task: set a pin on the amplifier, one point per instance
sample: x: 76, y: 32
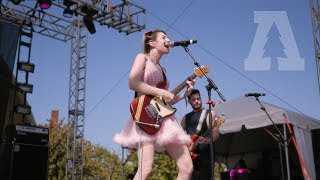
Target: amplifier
x: 24, y: 161
x: 27, y: 134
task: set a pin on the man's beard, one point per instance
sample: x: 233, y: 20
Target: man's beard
x: 197, y: 107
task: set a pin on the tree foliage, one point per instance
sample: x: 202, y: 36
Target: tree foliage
x: 164, y: 167
x: 57, y: 149
x: 98, y: 162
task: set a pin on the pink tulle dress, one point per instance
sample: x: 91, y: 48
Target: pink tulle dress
x: 170, y: 132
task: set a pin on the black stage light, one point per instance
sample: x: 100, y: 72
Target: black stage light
x: 88, y: 21
x: 16, y: 2
x: 67, y: 12
x: 23, y: 109
x: 88, y: 18
x: 27, y: 88
x: 25, y: 66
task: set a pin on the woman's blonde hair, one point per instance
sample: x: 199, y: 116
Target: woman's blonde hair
x: 150, y: 35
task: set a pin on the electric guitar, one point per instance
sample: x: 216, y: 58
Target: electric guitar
x: 195, y: 137
x: 148, y: 111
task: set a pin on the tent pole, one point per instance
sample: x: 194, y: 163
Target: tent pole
x: 281, y: 161
x: 122, y: 160
x: 286, y: 150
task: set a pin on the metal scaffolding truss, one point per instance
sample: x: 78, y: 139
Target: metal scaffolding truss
x: 43, y: 22
x: 77, y: 93
x: 315, y: 14
x: 123, y: 16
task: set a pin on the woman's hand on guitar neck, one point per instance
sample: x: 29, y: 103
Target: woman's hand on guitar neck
x: 190, y: 84
x: 203, y: 140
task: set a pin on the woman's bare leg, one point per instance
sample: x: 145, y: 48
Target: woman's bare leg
x: 146, y: 154
x: 181, y: 155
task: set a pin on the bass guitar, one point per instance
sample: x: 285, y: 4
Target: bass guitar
x: 195, y: 138
x: 148, y: 111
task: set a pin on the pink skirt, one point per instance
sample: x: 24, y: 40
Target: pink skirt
x: 170, y: 133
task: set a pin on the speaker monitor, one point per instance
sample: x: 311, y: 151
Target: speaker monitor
x: 27, y: 161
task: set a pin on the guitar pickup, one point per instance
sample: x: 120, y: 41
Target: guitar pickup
x: 151, y: 111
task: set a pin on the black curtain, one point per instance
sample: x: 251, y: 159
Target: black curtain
x: 315, y: 134
x: 9, y: 35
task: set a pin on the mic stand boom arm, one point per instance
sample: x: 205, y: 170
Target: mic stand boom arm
x: 211, y: 83
x: 282, y: 141
x: 275, y: 126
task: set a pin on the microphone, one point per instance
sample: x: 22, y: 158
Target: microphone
x: 182, y: 43
x: 254, y: 94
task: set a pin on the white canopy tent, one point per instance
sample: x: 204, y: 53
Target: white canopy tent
x: 243, y: 132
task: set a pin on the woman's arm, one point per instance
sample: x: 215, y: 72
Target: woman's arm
x: 137, y: 84
x: 178, y: 97
x: 183, y: 123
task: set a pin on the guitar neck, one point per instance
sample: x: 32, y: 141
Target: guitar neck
x: 217, y: 124
x: 176, y: 90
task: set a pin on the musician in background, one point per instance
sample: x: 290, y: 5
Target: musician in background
x: 146, y: 73
x: 197, y: 122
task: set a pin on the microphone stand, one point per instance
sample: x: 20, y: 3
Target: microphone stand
x: 211, y: 85
x: 278, y: 137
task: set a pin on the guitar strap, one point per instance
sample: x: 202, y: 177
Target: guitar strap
x: 203, y: 116
x: 164, y: 75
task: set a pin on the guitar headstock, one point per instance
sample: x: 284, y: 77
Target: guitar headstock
x: 219, y: 121
x: 199, y: 73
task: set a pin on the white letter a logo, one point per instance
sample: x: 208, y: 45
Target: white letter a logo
x: 255, y: 60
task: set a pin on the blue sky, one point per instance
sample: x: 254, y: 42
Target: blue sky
x: 225, y: 31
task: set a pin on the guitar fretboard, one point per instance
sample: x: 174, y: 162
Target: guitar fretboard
x: 176, y: 90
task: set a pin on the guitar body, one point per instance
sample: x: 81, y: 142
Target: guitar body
x: 195, y: 138
x: 149, y: 111
x: 193, y: 145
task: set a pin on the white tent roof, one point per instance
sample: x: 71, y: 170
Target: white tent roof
x: 236, y: 142
x: 247, y: 111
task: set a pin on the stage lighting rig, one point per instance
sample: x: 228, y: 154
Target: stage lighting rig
x: 125, y: 17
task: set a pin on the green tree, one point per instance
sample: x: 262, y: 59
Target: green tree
x: 98, y: 162
x: 164, y: 167
x: 57, y: 148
